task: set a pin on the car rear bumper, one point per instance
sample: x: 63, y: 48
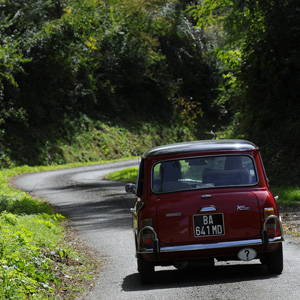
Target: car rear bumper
x: 197, y: 247
x: 265, y: 241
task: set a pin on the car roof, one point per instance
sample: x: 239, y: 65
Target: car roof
x: 200, y: 146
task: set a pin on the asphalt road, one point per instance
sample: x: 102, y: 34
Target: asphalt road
x: 100, y: 210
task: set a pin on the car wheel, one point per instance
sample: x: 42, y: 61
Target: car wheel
x: 275, y: 261
x: 146, y: 270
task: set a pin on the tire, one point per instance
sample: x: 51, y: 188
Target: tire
x: 146, y: 270
x: 275, y: 261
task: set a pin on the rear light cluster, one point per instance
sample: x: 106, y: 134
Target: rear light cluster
x: 147, y: 234
x: 271, y: 225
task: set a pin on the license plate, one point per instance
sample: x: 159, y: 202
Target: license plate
x: 208, y: 225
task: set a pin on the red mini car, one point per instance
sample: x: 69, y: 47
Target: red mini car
x: 204, y: 200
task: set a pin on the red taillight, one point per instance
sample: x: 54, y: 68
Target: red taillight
x: 147, y: 234
x: 271, y: 225
x: 148, y: 237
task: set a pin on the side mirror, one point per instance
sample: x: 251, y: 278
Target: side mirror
x: 130, y: 188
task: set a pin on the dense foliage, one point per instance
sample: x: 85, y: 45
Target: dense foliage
x: 229, y: 68
x: 257, y: 44
x: 271, y: 75
x: 106, y: 60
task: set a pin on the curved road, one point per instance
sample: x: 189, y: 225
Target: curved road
x: 100, y: 210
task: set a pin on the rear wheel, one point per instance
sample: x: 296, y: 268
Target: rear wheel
x: 146, y: 270
x: 274, y: 261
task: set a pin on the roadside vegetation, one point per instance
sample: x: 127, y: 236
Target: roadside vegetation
x: 289, y: 196
x: 71, y: 70
x: 39, y: 257
x: 127, y: 175
x: 74, y: 74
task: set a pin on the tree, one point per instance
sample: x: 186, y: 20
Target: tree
x: 261, y: 78
x: 113, y: 59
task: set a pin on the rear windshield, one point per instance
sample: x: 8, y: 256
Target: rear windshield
x: 204, y: 172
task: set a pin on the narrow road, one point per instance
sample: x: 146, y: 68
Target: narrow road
x: 100, y: 210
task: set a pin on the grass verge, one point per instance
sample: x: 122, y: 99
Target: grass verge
x: 126, y: 175
x: 39, y: 258
x: 288, y: 195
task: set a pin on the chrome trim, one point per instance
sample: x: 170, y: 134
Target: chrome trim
x: 197, y: 247
x: 208, y: 208
x: 206, y: 196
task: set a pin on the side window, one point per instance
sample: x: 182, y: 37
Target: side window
x: 263, y: 168
x: 249, y: 165
x: 140, y: 180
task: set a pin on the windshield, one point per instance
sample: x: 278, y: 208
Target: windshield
x: 204, y: 172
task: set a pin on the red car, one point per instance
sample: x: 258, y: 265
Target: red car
x: 204, y: 200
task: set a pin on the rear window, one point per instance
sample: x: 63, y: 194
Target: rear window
x: 204, y: 172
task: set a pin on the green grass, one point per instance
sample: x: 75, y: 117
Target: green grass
x: 288, y: 195
x: 107, y: 141
x: 126, y: 175
x: 29, y: 232
x: 26, y: 270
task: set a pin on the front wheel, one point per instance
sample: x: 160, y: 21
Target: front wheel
x: 146, y: 270
x: 274, y: 261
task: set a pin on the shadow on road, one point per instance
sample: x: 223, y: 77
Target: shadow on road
x: 165, y: 279
x: 72, y: 186
x: 103, y: 205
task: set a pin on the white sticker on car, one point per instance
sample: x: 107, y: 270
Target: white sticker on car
x: 247, y: 254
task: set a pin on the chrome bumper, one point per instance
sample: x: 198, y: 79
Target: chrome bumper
x: 264, y: 241
x: 197, y: 247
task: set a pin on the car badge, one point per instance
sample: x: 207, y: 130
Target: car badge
x: 174, y: 214
x: 242, y: 207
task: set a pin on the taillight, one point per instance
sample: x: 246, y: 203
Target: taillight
x: 271, y: 225
x: 147, y: 234
x: 147, y: 237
